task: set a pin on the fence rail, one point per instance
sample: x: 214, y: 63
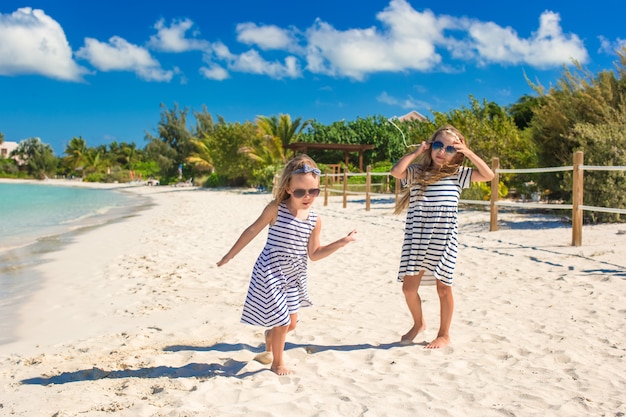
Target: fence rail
x: 577, y: 205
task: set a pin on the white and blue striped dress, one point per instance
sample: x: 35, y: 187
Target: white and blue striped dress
x: 278, y: 286
x: 431, y: 230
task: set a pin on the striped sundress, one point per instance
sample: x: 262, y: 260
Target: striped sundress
x: 278, y: 286
x: 431, y: 230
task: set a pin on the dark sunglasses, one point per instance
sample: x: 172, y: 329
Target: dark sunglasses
x: 299, y: 193
x: 438, y: 145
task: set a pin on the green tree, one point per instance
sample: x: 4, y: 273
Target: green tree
x: 37, y: 157
x: 387, y: 138
x: 200, y: 157
x: 131, y: 154
x: 282, y: 127
x: 124, y: 154
x: 95, y: 161
x: 604, y: 145
x: 268, y: 156
x: 76, y: 154
x: 174, y: 144
x: 576, y: 102
x: 225, y: 141
x: 523, y: 110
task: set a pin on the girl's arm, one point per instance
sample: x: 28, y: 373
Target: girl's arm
x: 399, y: 169
x: 482, y: 172
x: 269, y: 214
x: 317, y: 252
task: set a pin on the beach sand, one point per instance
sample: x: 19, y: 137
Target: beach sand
x: 135, y: 319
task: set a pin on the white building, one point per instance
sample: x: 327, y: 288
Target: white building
x: 6, y: 148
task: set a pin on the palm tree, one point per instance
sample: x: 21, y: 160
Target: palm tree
x: 282, y: 127
x: 128, y: 154
x: 267, y: 151
x: 94, y: 161
x: 200, y: 157
x: 76, y: 152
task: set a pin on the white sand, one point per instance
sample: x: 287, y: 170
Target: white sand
x: 135, y: 319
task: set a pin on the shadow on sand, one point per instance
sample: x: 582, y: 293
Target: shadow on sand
x: 231, y: 368
x: 228, y: 347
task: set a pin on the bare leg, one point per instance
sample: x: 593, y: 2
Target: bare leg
x: 446, y: 303
x: 266, y: 357
x: 410, y: 288
x: 278, y: 337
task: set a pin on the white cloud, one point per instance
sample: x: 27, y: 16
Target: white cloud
x: 221, y: 51
x: 252, y: 62
x: 407, y: 42
x: 610, y: 47
x: 406, y: 103
x: 120, y: 55
x: 33, y: 43
x: 214, y: 72
x: 412, y: 41
x: 172, y: 38
x: 547, y: 47
x: 404, y: 40
x: 268, y: 37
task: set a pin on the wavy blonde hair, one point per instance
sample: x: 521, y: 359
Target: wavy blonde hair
x: 427, y: 173
x: 280, y: 191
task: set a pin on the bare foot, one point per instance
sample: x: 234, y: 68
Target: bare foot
x: 265, y: 358
x: 281, y: 370
x: 438, y: 343
x: 407, y: 338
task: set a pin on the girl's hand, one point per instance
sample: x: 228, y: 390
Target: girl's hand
x: 347, y: 239
x: 424, y: 146
x: 223, y: 261
x: 351, y: 236
x: 461, y: 147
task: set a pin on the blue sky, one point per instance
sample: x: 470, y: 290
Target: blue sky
x: 102, y: 69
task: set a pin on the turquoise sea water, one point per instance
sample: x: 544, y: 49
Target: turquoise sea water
x: 39, y: 218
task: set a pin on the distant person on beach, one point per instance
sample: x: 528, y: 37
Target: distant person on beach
x: 433, y: 177
x: 278, y: 286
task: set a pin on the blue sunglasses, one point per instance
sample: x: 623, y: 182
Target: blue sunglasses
x: 438, y: 145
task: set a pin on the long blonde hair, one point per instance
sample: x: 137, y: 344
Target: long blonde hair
x: 427, y: 173
x: 280, y: 191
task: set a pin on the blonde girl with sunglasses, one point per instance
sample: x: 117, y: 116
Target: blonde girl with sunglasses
x: 433, y: 177
x: 278, y: 285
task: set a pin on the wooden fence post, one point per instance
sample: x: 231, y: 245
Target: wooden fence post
x: 577, y: 199
x: 493, y: 223
x: 326, y: 187
x: 368, y: 185
x: 345, y: 187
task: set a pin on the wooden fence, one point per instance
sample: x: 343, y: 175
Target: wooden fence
x: 577, y: 207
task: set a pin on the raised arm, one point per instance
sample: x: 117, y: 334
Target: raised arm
x: 269, y: 213
x: 317, y: 252
x: 399, y: 169
x: 482, y: 172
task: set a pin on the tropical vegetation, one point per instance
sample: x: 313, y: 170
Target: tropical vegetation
x: 581, y: 111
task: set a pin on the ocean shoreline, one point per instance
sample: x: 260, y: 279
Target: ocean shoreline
x: 18, y: 264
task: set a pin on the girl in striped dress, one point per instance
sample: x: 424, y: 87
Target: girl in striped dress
x: 278, y: 286
x: 433, y: 177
